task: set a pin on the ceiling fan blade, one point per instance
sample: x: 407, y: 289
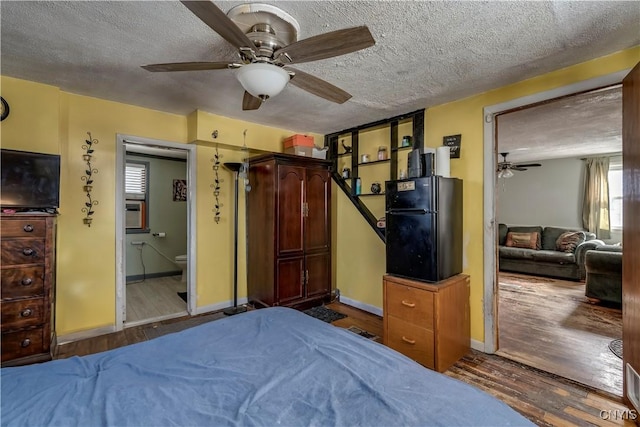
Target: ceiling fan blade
x: 187, y: 66
x: 517, y: 168
x: 327, y: 45
x: 219, y: 22
x: 528, y: 165
x: 318, y: 87
x: 250, y: 102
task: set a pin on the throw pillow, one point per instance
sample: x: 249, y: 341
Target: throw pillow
x: 523, y: 240
x: 569, y: 241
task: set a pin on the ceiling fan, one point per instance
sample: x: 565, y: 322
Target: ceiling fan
x: 264, y: 59
x: 505, y: 167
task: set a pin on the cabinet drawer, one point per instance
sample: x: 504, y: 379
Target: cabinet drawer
x: 23, y: 343
x: 22, y: 313
x: 22, y: 251
x: 24, y: 228
x: 411, y: 304
x: 413, y: 341
x: 22, y: 282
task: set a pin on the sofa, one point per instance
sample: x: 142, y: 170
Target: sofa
x: 603, y: 266
x: 545, y: 251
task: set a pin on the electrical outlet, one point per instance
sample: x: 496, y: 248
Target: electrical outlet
x: 137, y: 243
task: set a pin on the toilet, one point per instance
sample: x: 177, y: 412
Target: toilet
x: 181, y: 261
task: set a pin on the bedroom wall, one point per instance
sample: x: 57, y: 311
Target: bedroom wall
x: 549, y: 195
x: 465, y: 117
x: 44, y: 118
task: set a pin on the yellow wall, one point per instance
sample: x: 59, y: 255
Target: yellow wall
x: 45, y: 119
x: 360, y: 254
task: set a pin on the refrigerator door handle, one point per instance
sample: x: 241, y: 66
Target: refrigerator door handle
x: 408, y: 212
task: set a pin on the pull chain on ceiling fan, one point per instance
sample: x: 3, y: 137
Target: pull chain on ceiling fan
x: 506, y: 168
x: 265, y: 56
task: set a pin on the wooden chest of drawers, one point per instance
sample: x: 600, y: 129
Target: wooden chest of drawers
x: 28, y: 266
x: 427, y: 322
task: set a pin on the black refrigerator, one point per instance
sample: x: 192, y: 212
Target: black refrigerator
x: 424, y: 228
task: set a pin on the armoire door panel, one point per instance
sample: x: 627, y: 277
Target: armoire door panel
x: 318, y: 221
x: 290, y: 215
x: 290, y: 279
x: 319, y: 273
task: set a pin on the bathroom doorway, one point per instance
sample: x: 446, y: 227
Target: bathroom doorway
x: 155, y: 208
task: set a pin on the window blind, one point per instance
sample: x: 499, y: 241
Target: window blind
x: 135, y: 181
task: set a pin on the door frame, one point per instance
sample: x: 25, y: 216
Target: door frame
x: 490, y: 161
x: 121, y: 280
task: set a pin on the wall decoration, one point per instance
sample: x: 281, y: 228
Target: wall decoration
x: 179, y: 190
x: 216, y: 186
x: 88, y: 179
x: 4, y: 111
x: 453, y: 142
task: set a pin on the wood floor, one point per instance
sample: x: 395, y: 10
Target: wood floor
x: 544, y: 398
x: 548, y: 324
x: 155, y: 299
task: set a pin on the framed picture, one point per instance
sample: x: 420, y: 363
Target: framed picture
x: 179, y: 190
x: 453, y: 142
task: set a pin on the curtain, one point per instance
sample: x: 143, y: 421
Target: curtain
x: 595, y: 206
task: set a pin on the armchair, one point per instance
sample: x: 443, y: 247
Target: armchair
x: 604, y: 274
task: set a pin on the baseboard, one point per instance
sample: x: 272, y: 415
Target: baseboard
x: 477, y: 345
x: 219, y: 306
x: 362, y: 306
x: 89, y: 333
x: 136, y: 277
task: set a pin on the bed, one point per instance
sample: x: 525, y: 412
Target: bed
x: 268, y: 367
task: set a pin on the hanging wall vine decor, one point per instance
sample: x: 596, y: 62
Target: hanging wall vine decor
x: 87, y: 178
x: 216, y: 185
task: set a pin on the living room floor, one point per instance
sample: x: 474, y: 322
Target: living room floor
x: 548, y: 324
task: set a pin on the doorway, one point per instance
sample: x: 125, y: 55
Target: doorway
x: 491, y: 275
x: 155, y: 222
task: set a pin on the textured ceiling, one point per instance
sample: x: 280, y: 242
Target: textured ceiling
x: 587, y: 124
x: 426, y: 53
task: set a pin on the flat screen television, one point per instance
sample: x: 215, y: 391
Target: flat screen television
x: 30, y: 181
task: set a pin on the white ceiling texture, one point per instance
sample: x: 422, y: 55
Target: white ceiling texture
x: 426, y: 53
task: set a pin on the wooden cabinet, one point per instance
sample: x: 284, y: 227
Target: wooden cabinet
x: 428, y: 322
x: 289, y: 230
x: 28, y: 266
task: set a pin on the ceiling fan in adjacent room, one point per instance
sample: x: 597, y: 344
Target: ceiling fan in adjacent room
x: 267, y: 49
x: 506, y: 168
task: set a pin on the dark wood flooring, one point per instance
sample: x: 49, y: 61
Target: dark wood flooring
x: 544, y: 398
x: 548, y: 324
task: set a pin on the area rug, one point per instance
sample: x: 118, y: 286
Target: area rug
x: 325, y: 314
x: 156, y: 331
x: 183, y: 295
x: 363, y: 333
x: 616, y: 347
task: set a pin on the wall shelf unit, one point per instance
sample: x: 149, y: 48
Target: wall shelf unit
x: 368, y: 139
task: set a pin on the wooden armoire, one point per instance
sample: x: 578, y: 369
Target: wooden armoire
x: 289, y: 231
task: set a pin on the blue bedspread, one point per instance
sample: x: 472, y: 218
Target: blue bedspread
x: 267, y: 367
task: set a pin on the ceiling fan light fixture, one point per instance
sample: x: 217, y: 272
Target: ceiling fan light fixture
x: 262, y: 80
x: 505, y: 173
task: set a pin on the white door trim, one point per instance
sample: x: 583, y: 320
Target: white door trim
x: 489, y: 179
x: 120, y: 226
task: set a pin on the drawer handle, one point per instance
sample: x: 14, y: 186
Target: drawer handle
x: 26, y: 281
x: 28, y: 228
x: 28, y: 251
x: 408, y: 341
x: 25, y: 342
x: 26, y: 313
x: 408, y: 304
